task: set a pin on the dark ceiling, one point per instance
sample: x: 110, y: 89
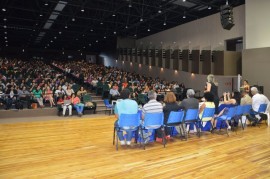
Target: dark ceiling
x: 90, y: 25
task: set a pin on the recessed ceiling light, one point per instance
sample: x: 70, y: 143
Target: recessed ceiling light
x: 114, y: 32
x: 141, y: 19
x: 113, y: 15
x: 164, y: 23
x: 90, y: 44
x: 209, y: 7
x: 91, y: 30
x: 6, y: 45
x: 96, y: 41
x: 83, y: 35
x: 5, y: 32
x: 126, y: 26
x: 159, y: 11
x: 55, y: 37
x: 5, y: 37
x: 105, y: 37
x: 135, y: 35
x: 130, y: 5
x: 184, y: 16
x: 40, y: 15
x: 101, y: 23
x: 4, y: 10
x: 148, y: 30
x: 5, y: 26
x: 66, y: 27
x: 73, y: 19
x: 5, y: 19
x: 6, y: 41
x: 184, y: 0
x: 77, y: 39
x: 36, y: 24
x: 60, y: 32
x: 46, y: 4
x: 82, y: 10
x: 51, y: 41
x: 83, y: 47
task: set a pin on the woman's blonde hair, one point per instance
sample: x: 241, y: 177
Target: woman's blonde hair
x: 170, y: 97
x: 211, y: 78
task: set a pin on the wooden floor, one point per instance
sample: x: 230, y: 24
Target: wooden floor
x: 82, y: 148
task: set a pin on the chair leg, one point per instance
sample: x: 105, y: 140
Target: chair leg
x: 142, y: 138
x: 113, y: 135
x: 116, y: 142
x: 163, y: 137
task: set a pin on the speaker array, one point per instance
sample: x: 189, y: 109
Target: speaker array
x: 226, y: 17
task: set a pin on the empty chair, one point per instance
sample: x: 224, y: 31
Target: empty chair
x: 153, y: 121
x: 108, y: 106
x: 238, y: 116
x: 246, y: 111
x: 126, y: 122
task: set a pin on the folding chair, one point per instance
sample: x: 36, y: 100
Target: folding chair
x: 175, y: 119
x: 208, y: 114
x: 126, y: 122
x: 261, y: 111
x: 226, y: 117
x: 238, y: 116
x: 153, y: 121
x: 191, y: 117
x: 246, y: 111
x: 108, y: 106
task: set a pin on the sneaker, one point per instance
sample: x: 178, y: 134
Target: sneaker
x: 122, y: 142
x: 128, y: 142
x: 229, y: 128
x: 158, y: 139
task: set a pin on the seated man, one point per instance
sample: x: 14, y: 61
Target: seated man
x: 114, y: 92
x: 257, y: 100
x: 125, y: 106
x: 153, y: 106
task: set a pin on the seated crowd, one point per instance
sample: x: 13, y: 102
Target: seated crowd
x: 34, y: 82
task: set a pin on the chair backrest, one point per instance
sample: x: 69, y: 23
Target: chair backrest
x: 262, y: 108
x: 129, y: 120
x: 208, y: 113
x: 106, y: 102
x: 153, y: 120
x: 176, y: 117
x: 191, y: 115
x: 230, y: 113
x: 239, y: 110
x: 247, y: 108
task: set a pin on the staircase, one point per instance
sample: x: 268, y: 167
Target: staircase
x: 101, y: 108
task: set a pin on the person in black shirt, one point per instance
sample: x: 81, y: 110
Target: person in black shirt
x: 212, y: 88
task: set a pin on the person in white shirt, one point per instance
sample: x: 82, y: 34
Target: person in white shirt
x: 257, y: 100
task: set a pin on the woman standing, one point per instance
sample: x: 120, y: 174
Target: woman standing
x: 212, y: 88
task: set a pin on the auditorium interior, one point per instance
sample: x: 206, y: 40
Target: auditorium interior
x: 134, y: 89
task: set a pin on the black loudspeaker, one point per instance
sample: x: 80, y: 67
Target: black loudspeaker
x: 226, y: 17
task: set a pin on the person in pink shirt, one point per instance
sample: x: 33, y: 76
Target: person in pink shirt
x: 75, y: 100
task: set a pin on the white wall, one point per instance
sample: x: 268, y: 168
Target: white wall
x: 204, y: 34
x: 257, y: 23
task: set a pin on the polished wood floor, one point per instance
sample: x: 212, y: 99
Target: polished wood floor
x: 82, y: 148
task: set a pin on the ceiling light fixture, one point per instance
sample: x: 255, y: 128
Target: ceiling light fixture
x: 141, y: 19
x: 5, y: 32
x: 209, y: 7
x: 40, y: 15
x: 96, y: 41
x: 82, y: 10
x: 5, y: 26
x: 130, y: 5
x: 105, y: 37
x: 73, y: 19
x: 126, y: 26
x: 91, y: 30
x: 101, y: 23
x: 184, y: 0
x: 113, y: 15
x: 114, y: 32
x: 135, y: 35
x: 159, y: 11
x: 164, y: 23
x: 5, y: 19
x: 60, y: 32
x: 4, y: 10
x: 46, y: 4
x: 148, y: 29
x: 66, y: 27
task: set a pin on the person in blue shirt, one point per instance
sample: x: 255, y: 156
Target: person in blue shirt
x: 125, y: 106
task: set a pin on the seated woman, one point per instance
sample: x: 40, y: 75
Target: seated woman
x: 170, y: 105
x: 65, y: 103
x: 75, y: 100
x: 69, y: 91
x: 81, y: 92
x: 229, y: 99
x: 48, y: 95
x: 37, y: 93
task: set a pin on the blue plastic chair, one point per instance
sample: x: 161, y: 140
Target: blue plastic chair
x: 153, y: 121
x: 126, y: 122
x: 227, y: 116
x: 246, y: 111
x: 191, y: 117
x: 261, y: 110
x: 238, y: 115
x: 175, y: 119
x: 208, y: 114
x: 108, y: 106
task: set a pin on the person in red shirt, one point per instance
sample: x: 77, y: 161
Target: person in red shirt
x: 75, y: 100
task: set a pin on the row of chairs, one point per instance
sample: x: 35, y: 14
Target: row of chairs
x: 180, y: 119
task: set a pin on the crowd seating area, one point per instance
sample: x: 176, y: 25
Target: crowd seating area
x: 32, y: 84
